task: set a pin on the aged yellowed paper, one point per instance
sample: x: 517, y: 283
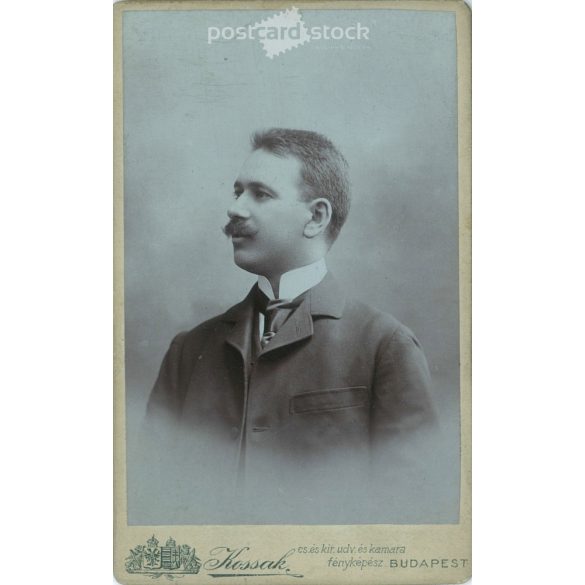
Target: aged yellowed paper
x: 293, y: 395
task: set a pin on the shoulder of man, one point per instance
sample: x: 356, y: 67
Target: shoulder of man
x: 169, y: 389
x: 377, y: 324
x: 201, y: 333
x: 402, y: 389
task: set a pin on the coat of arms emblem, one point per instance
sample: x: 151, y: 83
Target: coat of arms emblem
x: 169, y: 560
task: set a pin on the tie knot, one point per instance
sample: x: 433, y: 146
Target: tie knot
x: 276, y: 304
x: 266, y: 305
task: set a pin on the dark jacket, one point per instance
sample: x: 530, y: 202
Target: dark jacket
x: 339, y: 379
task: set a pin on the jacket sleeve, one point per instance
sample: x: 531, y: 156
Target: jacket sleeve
x: 411, y: 454
x: 168, y: 393
x: 401, y: 402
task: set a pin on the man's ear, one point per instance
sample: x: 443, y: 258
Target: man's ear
x: 321, y: 213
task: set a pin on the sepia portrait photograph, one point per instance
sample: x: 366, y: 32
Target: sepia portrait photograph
x: 238, y: 315
x: 290, y: 265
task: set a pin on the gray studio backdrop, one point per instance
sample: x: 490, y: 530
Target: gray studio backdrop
x: 388, y: 103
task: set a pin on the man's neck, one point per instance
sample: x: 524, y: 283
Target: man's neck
x: 294, y: 282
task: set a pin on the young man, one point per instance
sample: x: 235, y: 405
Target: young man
x: 297, y: 381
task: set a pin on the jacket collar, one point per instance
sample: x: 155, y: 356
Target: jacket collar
x: 326, y: 299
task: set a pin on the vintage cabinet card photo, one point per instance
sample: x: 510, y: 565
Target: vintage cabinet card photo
x: 292, y: 292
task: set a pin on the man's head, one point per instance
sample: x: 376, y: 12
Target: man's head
x: 291, y: 200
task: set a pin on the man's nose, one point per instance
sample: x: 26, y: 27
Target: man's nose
x: 238, y: 208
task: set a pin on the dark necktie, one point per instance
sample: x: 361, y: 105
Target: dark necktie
x: 276, y: 312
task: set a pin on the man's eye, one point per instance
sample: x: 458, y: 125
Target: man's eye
x: 237, y: 194
x: 263, y: 195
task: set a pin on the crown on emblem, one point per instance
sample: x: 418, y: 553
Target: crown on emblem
x: 152, y: 542
x: 171, y: 542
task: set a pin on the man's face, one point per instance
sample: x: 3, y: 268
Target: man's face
x: 267, y: 216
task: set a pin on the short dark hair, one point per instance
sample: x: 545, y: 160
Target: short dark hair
x: 324, y: 170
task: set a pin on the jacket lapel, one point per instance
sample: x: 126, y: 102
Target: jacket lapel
x: 324, y: 300
x: 242, y: 316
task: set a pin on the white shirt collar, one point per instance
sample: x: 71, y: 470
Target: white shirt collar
x: 295, y: 282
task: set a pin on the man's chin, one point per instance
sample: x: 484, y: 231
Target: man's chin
x: 245, y: 261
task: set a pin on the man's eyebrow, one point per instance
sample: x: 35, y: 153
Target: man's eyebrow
x: 256, y: 185
x: 259, y: 186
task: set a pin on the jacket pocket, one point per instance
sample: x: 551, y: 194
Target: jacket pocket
x: 330, y: 399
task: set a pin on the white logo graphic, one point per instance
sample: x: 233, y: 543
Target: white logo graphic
x: 282, y: 32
